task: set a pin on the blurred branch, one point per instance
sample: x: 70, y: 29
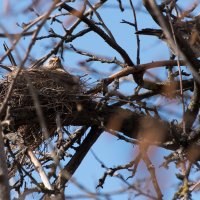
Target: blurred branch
x: 136, y: 29
x: 10, y: 56
x: 4, y: 181
x: 140, y: 68
x: 27, y: 27
x: 16, y: 35
x: 181, y: 44
x: 107, y: 106
x: 93, y: 57
x: 101, y: 21
x: 193, y: 108
x: 66, y: 173
x: 100, y: 32
x: 151, y: 170
x: 39, y: 169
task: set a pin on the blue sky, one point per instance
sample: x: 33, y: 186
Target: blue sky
x: 110, y: 150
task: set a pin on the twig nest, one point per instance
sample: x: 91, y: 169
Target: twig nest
x: 57, y: 91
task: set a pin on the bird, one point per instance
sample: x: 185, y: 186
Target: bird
x: 54, y: 63
x: 189, y: 30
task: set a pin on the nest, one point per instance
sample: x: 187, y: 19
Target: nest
x: 57, y: 93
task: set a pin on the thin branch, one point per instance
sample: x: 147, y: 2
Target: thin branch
x: 136, y: 29
x: 16, y: 35
x: 4, y: 181
x: 10, y: 56
x: 182, y: 46
x: 101, y: 21
x: 151, y: 170
x: 76, y: 160
x: 100, y: 32
x: 98, y: 58
x: 193, y: 108
x: 39, y: 169
x: 95, y: 7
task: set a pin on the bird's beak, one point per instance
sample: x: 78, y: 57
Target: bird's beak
x: 56, y: 59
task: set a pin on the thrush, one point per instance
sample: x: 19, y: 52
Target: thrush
x: 189, y: 30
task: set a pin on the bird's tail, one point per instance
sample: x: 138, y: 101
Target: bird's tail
x: 150, y: 31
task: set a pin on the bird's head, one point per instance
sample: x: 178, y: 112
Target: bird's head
x: 54, y: 63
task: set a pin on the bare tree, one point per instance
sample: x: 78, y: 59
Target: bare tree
x: 47, y: 111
